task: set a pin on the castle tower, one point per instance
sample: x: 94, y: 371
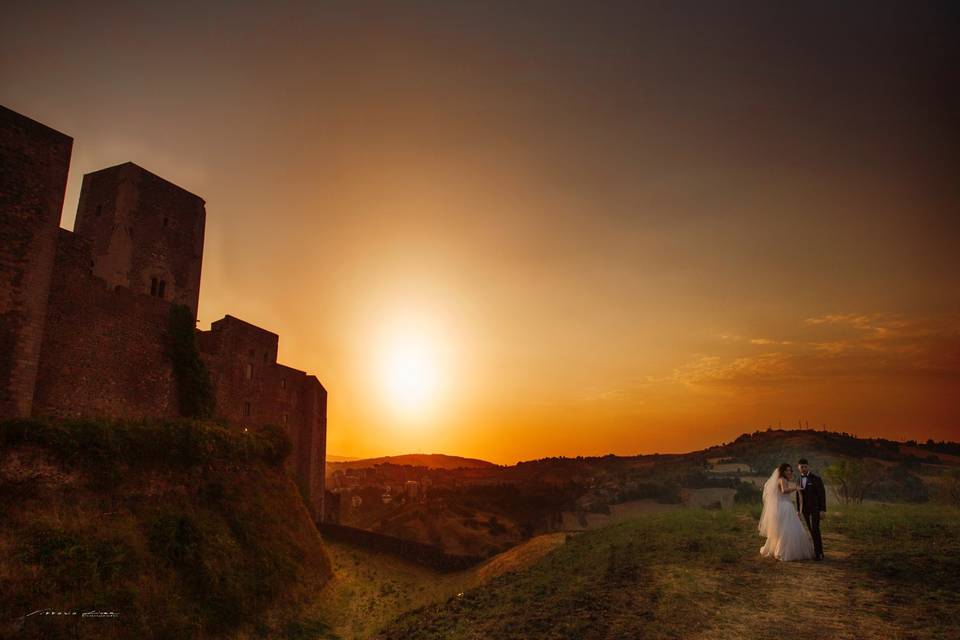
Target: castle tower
x: 34, y: 160
x: 146, y: 233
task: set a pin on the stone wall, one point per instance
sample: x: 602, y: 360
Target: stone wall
x: 34, y: 160
x: 252, y: 388
x: 103, y: 351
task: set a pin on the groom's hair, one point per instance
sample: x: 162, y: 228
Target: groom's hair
x: 802, y: 461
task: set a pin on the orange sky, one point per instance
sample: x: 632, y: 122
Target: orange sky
x: 603, y: 230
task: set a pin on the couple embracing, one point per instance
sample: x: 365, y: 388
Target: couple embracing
x: 783, y: 523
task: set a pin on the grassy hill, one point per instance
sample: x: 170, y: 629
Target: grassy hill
x: 184, y: 529
x: 763, y: 449
x: 891, y: 572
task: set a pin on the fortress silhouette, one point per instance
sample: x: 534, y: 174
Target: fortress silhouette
x: 83, y: 313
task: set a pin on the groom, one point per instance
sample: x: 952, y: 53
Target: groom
x: 813, y: 498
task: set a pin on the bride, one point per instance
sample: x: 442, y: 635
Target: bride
x: 787, y: 537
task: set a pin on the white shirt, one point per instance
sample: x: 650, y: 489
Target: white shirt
x: 803, y: 482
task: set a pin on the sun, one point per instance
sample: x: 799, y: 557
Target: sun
x: 410, y: 377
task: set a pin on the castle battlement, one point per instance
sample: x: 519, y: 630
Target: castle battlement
x: 83, y: 313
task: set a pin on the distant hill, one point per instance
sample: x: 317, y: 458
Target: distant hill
x: 763, y: 450
x: 429, y: 460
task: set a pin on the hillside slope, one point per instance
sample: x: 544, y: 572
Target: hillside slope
x: 184, y: 530
x: 891, y: 572
x: 370, y: 589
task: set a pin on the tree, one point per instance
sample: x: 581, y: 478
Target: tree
x: 849, y: 480
x: 950, y: 489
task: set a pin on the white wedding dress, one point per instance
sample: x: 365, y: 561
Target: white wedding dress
x: 787, y: 536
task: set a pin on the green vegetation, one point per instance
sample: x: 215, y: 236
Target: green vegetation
x: 890, y: 572
x: 849, y: 480
x: 186, y: 529
x: 748, y: 493
x: 950, y: 489
x: 194, y: 388
x: 102, y: 444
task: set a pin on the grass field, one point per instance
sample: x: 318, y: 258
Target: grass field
x: 369, y: 590
x: 891, y: 572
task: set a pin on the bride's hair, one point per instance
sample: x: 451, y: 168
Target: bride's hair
x: 782, y: 469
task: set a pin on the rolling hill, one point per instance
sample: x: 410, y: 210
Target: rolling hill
x: 427, y: 460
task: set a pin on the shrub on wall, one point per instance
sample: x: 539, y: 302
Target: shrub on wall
x: 194, y: 388
x: 106, y: 445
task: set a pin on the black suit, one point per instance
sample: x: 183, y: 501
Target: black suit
x: 810, y: 502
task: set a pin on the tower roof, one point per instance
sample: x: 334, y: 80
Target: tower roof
x: 132, y: 166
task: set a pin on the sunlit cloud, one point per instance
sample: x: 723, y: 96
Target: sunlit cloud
x: 884, y: 346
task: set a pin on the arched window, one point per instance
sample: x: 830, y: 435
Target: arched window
x: 246, y: 408
x: 249, y: 371
x: 161, y: 288
x: 153, y: 286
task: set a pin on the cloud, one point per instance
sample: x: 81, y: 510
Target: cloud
x: 713, y: 370
x: 881, y: 346
x: 877, y: 323
x: 853, y: 320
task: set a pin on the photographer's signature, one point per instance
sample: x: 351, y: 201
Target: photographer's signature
x: 94, y: 613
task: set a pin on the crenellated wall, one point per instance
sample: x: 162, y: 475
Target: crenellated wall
x: 82, y: 321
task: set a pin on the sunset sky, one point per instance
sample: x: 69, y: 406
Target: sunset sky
x: 522, y: 229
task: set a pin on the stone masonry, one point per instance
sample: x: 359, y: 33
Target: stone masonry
x: 83, y: 312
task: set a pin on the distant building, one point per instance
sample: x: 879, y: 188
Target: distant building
x: 412, y: 489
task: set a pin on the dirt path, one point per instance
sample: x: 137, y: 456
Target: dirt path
x: 766, y: 599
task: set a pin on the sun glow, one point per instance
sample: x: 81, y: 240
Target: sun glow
x: 410, y: 377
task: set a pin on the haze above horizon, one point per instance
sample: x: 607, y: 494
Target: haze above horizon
x: 513, y: 232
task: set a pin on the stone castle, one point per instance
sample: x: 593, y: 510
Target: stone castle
x: 83, y: 312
